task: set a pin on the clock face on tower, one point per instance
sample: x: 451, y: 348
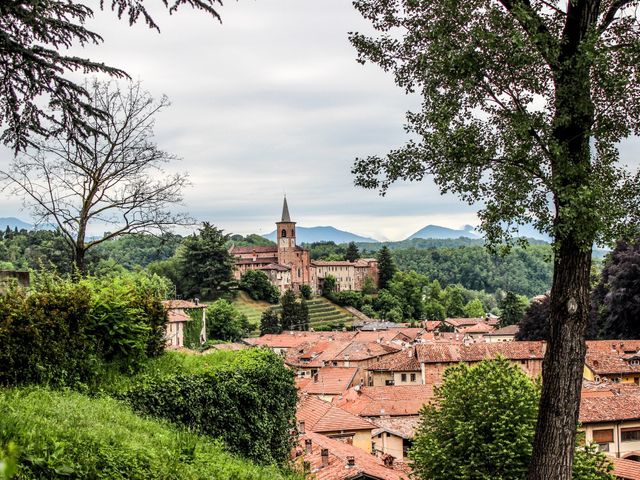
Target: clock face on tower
x: 283, y: 242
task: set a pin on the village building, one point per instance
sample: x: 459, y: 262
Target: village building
x: 614, y: 360
x: 325, y: 458
x: 435, y: 358
x: 288, y: 265
x: 387, y: 401
x: 177, y: 319
x: 401, y: 368
x: 394, y: 436
x: 320, y: 416
x: 625, y: 469
x: 329, y: 382
x: 505, y: 334
x: 281, y: 343
x: 610, y: 417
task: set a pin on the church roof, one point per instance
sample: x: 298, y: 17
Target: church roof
x: 285, y: 212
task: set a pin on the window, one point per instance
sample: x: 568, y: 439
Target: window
x: 413, y: 377
x: 403, y: 377
x: 388, y: 382
x: 283, y: 234
x: 630, y: 434
x: 603, y: 436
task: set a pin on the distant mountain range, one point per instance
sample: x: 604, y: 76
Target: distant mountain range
x: 13, y: 222
x: 436, y: 231
x: 323, y: 234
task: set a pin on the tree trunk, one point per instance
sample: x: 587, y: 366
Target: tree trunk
x: 554, y: 443
x: 79, y: 260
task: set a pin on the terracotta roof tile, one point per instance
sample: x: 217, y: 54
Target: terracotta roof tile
x: 385, y: 401
x: 475, y: 352
x: 431, y: 325
x: 316, y: 353
x: 331, y: 381
x: 290, y: 339
x: 610, y: 408
x: 275, y: 266
x: 625, y: 469
x: 403, y: 361
x: 480, y: 327
x: 404, y: 427
x: 257, y: 261
x: 258, y: 249
x: 365, y: 464
x: 320, y: 416
x: 508, y: 330
x: 181, y: 304
x: 176, y: 316
x: 607, y: 357
x: 358, y: 351
x: 463, y: 322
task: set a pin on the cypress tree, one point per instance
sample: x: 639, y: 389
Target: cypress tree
x: 386, y: 267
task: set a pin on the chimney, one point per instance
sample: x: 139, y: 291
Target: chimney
x: 410, y: 352
x: 301, y: 430
x: 351, y: 461
x: 196, y: 300
x: 324, y: 454
x: 308, y: 445
x: 315, y: 378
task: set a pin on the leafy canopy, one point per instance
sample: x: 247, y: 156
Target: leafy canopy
x: 483, y: 427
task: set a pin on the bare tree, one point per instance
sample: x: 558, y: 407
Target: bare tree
x: 113, y: 178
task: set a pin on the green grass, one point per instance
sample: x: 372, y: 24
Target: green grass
x: 253, y: 309
x: 70, y: 435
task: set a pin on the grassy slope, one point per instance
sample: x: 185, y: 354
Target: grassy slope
x: 67, y: 433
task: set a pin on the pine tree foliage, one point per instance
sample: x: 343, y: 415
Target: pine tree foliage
x: 353, y: 253
x: 386, y: 267
x: 34, y: 67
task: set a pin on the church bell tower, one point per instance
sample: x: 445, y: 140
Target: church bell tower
x: 286, y: 230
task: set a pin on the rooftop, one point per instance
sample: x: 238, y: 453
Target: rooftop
x: 625, y: 469
x: 181, y: 304
x: 403, y: 361
x: 256, y: 248
x: 480, y: 327
x: 463, y: 322
x: 338, y: 460
x: 404, y: 427
x: 508, y: 330
x: 397, y: 400
x: 475, y: 352
x: 606, y: 357
x: 330, y: 381
x: 320, y: 416
x: 610, y: 404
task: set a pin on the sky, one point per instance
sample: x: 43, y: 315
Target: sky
x: 272, y: 101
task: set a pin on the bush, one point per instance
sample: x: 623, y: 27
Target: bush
x: 248, y: 401
x: 73, y: 436
x: 225, y: 322
x: 257, y: 284
x: 305, y: 291
x: 348, y: 298
x: 44, y: 335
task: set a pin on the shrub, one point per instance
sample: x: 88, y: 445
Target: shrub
x: 225, y: 322
x: 73, y: 436
x: 248, y: 401
x: 349, y: 298
x: 44, y: 334
x: 257, y: 284
x: 305, y: 291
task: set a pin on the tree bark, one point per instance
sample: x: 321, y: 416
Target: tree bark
x: 574, y: 233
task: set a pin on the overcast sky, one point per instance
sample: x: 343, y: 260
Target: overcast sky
x: 273, y: 101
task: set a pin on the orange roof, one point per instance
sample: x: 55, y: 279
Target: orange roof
x: 358, y: 351
x: 475, y: 352
x: 388, y: 400
x: 463, y: 322
x: 330, y: 381
x: 610, y: 408
x: 291, y: 339
x: 431, y: 325
x: 625, y: 469
x: 403, y: 361
x: 176, y: 316
x: 611, y: 357
x: 508, y: 330
x: 337, y: 468
x: 181, y: 304
x: 320, y: 416
x: 257, y: 249
x: 316, y: 353
x: 404, y: 427
x: 385, y: 336
x: 479, y: 327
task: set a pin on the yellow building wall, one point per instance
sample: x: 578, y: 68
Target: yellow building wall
x: 397, y: 378
x: 617, y: 448
x: 380, y: 378
x: 588, y: 374
x: 361, y: 439
x: 389, y: 444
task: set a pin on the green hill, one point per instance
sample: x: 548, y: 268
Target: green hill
x: 70, y: 435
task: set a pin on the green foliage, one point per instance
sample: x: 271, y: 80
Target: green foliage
x: 257, y: 284
x: 295, y: 312
x: 408, y: 288
x: 35, y: 249
x: 512, y: 309
x: 270, y: 322
x: 454, y: 301
x: 252, y: 240
x: 369, y: 286
x: 386, y: 267
x: 206, y: 267
x: 352, y: 254
x: 326, y: 250
x: 328, y: 285
x: 69, y: 435
x: 248, y: 401
x: 8, y: 461
x: 44, y: 334
x: 483, y: 427
x: 616, y: 298
x: 225, y: 322
x: 139, y: 250
x: 305, y: 291
x: 348, y: 298
x: 474, y: 309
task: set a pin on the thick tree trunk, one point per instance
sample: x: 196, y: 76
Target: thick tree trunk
x: 563, y: 366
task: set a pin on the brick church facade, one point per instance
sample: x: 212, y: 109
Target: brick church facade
x: 289, y: 265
